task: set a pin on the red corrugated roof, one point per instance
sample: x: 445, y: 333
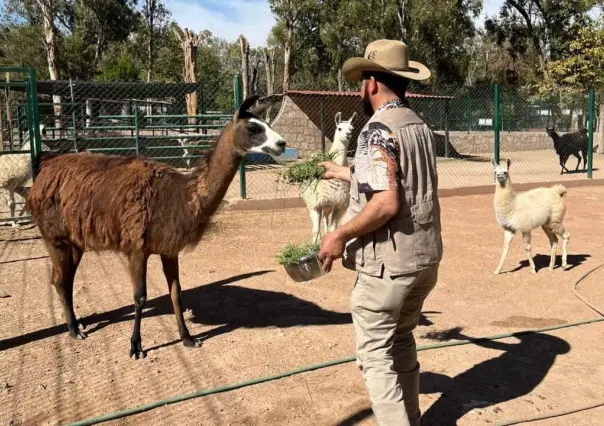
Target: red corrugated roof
x: 335, y: 93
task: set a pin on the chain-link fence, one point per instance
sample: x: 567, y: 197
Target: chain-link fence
x: 537, y: 133
x: 546, y: 138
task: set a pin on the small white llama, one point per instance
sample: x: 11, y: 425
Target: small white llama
x: 328, y: 199
x: 15, y: 174
x: 526, y: 211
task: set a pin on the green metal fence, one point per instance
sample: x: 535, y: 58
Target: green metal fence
x: 178, y: 123
x: 19, y: 139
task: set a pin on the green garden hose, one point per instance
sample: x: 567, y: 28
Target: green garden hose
x: 227, y: 388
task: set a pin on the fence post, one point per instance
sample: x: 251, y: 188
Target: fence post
x: 447, y: 128
x: 74, y: 118
x: 36, y: 147
x: 590, y: 145
x: 469, y: 110
x: 137, y: 128
x: 497, y: 124
x: 238, y: 93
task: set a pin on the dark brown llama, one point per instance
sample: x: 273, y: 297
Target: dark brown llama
x: 133, y: 205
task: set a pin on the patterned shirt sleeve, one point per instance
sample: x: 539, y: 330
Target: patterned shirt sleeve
x: 382, y: 163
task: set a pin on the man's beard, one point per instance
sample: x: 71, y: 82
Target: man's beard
x: 367, y: 107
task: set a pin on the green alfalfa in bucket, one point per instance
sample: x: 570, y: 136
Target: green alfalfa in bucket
x: 292, y: 253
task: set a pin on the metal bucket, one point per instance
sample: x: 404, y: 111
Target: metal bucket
x: 306, y: 269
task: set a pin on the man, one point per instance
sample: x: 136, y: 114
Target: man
x: 392, y: 234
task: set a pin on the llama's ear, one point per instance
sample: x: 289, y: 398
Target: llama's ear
x: 354, y: 114
x: 493, y: 162
x: 338, y: 118
x: 245, y: 106
x: 508, y: 162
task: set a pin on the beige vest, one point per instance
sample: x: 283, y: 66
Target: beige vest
x: 411, y: 240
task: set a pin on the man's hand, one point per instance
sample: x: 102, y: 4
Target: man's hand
x: 332, y: 248
x: 335, y: 171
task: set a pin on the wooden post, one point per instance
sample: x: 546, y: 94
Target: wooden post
x: 189, y: 42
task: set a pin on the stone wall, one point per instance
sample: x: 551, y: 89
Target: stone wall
x: 301, y: 133
x: 297, y: 129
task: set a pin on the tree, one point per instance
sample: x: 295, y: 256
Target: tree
x: 156, y: 20
x: 540, y: 28
x: 581, y: 68
x: 289, y: 13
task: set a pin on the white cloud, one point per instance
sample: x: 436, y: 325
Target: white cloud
x: 225, y: 19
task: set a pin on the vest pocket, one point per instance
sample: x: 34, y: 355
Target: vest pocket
x: 423, y: 213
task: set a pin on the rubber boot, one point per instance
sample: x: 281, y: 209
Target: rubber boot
x: 410, y: 384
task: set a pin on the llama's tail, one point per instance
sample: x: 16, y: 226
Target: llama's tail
x: 560, y: 189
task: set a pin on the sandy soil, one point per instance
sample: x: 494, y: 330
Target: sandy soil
x: 256, y: 322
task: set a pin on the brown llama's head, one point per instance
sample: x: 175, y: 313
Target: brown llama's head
x: 253, y: 134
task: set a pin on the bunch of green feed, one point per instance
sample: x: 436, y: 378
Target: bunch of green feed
x: 308, y: 170
x: 292, y: 253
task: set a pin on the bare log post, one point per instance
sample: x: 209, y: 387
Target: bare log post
x: 244, y: 45
x: 189, y: 42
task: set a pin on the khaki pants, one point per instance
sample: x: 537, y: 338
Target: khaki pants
x: 384, y: 313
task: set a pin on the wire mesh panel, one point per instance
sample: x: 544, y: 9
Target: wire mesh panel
x: 174, y: 123
x: 17, y: 141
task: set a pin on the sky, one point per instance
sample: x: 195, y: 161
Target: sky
x: 230, y: 18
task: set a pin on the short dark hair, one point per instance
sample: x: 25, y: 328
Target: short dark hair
x: 397, y: 84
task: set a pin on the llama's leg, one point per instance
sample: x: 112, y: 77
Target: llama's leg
x: 576, y: 154
x: 64, y: 266
x: 9, y: 195
x: 526, y: 236
x: 23, y: 192
x: 170, y: 266
x: 138, y: 274
x: 508, y: 236
x: 315, y: 217
x: 325, y: 216
x: 553, y: 242
x: 563, y: 160
x: 559, y: 230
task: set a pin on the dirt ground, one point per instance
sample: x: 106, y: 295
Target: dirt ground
x: 256, y: 322
x: 474, y: 170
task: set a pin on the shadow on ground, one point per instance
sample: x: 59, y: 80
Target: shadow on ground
x: 219, y: 303
x: 516, y: 372
x: 542, y: 262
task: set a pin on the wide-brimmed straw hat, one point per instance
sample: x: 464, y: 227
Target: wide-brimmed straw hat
x: 387, y: 56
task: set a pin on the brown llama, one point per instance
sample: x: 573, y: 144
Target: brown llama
x: 139, y: 207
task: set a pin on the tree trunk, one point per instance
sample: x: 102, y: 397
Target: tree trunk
x: 402, y: 17
x: 600, y: 140
x: 189, y: 42
x: 340, y: 88
x: 269, y: 64
x: 287, y: 50
x: 245, y: 65
x: 50, y: 44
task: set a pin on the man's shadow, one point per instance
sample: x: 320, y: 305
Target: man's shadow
x: 512, y: 374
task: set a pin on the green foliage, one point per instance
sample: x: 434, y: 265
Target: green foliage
x: 292, y: 253
x: 307, y: 170
x: 120, y: 66
x: 582, y: 66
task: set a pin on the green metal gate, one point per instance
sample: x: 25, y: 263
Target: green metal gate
x: 20, y: 139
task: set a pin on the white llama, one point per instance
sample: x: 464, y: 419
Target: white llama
x: 526, y: 211
x: 15, y: 174
x: 328, y: 199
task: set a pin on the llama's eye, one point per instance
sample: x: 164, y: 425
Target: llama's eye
x: 339, y: 129
x: 254, y: 128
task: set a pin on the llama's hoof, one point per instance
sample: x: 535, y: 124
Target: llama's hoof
x: 137, y: 355
x: 497, y: 272
x: 550, y: 268
x: 533, y: 271
x: 77, y: 334
x: 80, y: 325
x: 565, y: 267
x: 136, y: 350
x: 192, y: 343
